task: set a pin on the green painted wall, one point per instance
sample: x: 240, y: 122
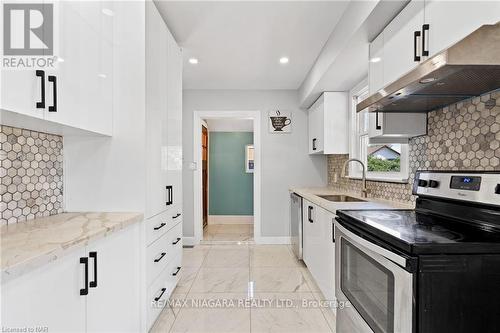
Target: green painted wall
x: 230, y: 187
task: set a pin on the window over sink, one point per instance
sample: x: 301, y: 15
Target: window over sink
x: 387, y: 161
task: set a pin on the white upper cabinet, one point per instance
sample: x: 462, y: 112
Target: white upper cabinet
x: 421, y: 30
x: 328, y: 124
x: 376, y: 64
x: 450, y: 21
x: 77, y: 91
x: 402, y: 42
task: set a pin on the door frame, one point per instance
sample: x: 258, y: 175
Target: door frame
x: 198, y: 120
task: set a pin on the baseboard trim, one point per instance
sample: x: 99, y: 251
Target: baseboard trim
x: 189, y: 241
x: 230, y: 219
x: 272, y: 240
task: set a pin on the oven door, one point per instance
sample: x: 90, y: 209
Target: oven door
x: 374, y: 290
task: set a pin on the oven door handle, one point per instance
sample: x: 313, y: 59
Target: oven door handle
x: 397, y: 259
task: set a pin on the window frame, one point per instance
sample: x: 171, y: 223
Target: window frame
x: 357, y: 148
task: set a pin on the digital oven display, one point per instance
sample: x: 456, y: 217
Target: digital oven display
x: 468, y: 183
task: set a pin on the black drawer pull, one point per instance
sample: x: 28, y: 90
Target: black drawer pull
x: 160, y: 257
x: 176, y: 216
x: 416, y: 35
x: 176, y: 241
x: 333, y: 231
x: 314, y: 144
x: 93, y: 255
x: 377, y: 126
x: 162, y: 292
x: 53, y: 79
x: 309, y: 214
x: 176, y: 272
x: 160, y: 226
x: 41, y: 75
x: 169, y: 195
x: 85, y: 290
x: 425, y: 29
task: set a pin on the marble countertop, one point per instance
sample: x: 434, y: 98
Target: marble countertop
x: 31, y: 244
x: 311, y: 194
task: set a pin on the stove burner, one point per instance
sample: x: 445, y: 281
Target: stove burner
x: 386, y: 216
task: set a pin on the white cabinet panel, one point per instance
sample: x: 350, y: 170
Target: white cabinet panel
x: 114, y: 304
x: 450, y: 21
x: 328, y: 124
x: 47, y: 297
x: 376, y: 65
x: 399, y: 47
x: 21, y: 91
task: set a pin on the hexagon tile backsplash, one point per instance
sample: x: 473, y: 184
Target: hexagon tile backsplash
x: 31, y: 173
x: 462, y: 136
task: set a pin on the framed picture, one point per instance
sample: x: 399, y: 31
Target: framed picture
x: 280, y: 121
x: 249, y: 161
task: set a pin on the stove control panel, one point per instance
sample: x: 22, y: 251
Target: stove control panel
x: 481, y: 187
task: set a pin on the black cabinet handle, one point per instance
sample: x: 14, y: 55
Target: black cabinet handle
x: 85, y: 290
x: 333, y: 231
x: 314, y: 144
x: 176, y: 272
x: 176, y: 216
x: 169, y: 195
x: 41, y: 75
x: 416, y: 35
x: 309, y: 214
x: 93, y: 255
x: 160, y: 257
x: 162, y: 292
x: 425, y: 29
x: 160, y: 226
x: 176, y: 241
x: 53, y: 79
x: 377, y: 125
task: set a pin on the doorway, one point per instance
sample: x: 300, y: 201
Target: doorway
x: 204, y: 170
x: 227, y: 183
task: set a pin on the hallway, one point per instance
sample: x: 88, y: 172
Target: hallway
x: 244, y: 288
x: 227, y: 233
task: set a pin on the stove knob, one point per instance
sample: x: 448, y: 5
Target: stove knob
x: 422, y: 183
x: 433, y: 183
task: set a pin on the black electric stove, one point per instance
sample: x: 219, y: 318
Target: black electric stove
x: 449, y: 247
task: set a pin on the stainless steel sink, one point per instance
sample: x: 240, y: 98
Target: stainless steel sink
x: 340, y: 198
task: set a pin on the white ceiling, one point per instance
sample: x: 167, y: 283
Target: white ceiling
x: 239, y: 43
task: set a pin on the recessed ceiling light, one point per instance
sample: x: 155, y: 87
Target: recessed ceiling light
x: 375, y: 59
x: 193, y: 61
x: 284, y: 60
x: 108, y: 12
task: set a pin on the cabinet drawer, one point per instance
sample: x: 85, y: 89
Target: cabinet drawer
x: 161, y: 252
x: 157, y: 226
x: 161, y: 289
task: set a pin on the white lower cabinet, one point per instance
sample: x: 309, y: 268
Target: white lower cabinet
x: 62, y: 298
x: 319, y: 247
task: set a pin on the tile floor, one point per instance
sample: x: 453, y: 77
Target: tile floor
x: 227, y: 232
x: 244, y: 288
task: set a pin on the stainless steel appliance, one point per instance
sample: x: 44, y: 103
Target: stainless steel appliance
x: 432, y: 269
x: 296, y: 224
x: 469, y: 68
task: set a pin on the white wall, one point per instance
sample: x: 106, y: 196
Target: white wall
x: 230, y: 125
x: 285, y: 159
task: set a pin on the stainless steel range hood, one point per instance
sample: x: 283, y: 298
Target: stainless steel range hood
x: 469, y: 68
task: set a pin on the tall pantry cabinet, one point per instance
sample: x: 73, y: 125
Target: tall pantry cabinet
x: 138, y: 168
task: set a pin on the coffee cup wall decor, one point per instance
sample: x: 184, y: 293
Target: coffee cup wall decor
x: 280, y: 121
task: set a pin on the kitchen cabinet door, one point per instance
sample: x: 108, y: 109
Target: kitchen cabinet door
x: 399, y: 41
x: 114, y: 303
x: 47, y: 297
x: 312, y: 228
x: 156, y: 112
x: 173, y: 126
x: 83, y: 73
x: 307, y: 232
x: 376, y: 65
x: 316, y: 127
x: 450, y: 21
x: 21, y: 92
x: 325, y: 272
